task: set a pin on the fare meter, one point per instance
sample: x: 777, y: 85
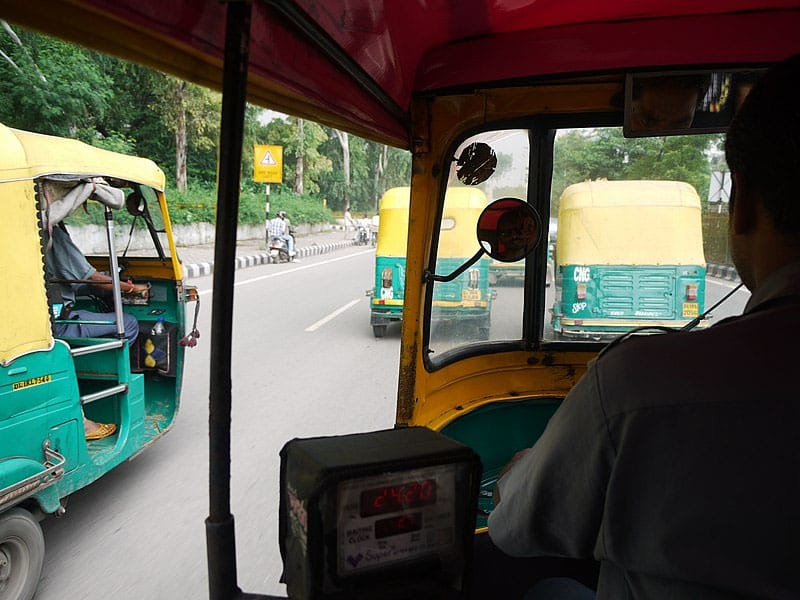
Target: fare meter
x: 386, y: 514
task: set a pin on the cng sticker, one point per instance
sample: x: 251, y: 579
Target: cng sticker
x: 21, y: 385
x: 582, y: 274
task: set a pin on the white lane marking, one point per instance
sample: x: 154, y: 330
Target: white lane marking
x: 295, y: 269
x: 333, y: 315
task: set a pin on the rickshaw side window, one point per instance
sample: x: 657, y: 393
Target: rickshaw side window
x: 638, y: 234
x: 485, y: 302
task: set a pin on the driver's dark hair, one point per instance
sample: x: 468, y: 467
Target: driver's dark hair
x: 763, y: 143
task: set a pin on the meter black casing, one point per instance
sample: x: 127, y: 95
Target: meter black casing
x: 312, y: 472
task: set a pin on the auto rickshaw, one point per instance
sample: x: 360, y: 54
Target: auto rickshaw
x: 466, y: 297
x: 47, y: 383
x: 427, y: 90
x: 630, y: 255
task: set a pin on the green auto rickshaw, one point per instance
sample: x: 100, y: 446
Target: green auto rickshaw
x: 466, y: 298
x: 49, y: 384
x: 629, y: 254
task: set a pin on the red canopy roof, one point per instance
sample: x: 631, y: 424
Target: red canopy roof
x: 355, y: 64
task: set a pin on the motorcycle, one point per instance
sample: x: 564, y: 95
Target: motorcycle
x: 362, y: 235
x: 278, y: 250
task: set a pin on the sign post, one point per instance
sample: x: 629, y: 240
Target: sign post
x: 267, y: 168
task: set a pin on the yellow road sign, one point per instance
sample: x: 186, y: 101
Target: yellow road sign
x: 267, y: 163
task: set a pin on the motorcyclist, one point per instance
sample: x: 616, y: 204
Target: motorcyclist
x: 362, y: 231
x: 279, y: 228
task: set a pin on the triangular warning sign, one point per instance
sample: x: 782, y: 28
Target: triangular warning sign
x: 268, y: 160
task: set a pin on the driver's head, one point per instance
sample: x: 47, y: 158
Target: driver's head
x: 515, y: 230
x: 663, y: 104
x: 763, y: 153
x: 282, y: 214
x: 763, y: 144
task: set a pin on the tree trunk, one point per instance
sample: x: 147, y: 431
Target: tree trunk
x: 344, y: 140
x: 180, y: 138
x: 380, y: 175
x: 298, y: 180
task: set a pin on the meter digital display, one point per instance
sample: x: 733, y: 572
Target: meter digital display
x: 397, y: 525
x: 391, y: 498
x: 380, y: 514
x: 395, y: 518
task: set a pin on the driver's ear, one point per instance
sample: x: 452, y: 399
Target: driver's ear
x: 743, y: 211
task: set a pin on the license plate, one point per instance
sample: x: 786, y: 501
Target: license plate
x: 691, y: 309
x: 470, y: 294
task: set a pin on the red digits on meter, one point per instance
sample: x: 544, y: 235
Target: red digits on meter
x: 392, y: 498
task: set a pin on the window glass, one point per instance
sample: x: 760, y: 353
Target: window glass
x: 486, y: 301
x: 637, y: 234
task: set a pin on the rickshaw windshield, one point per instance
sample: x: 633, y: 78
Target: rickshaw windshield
x: 461, y: 310
x: 635, y: 225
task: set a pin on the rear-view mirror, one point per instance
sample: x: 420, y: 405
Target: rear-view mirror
x: 509, y: 229
x: 685, y: 102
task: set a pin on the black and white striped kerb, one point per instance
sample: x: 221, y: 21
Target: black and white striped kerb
x: 262, y: 258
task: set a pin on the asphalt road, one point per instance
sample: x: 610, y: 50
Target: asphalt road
x: 305, y: 364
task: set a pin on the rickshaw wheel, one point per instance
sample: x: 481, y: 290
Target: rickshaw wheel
x: 21, y: 555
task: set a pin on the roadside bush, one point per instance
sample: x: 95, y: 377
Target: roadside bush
x: 198, y: 205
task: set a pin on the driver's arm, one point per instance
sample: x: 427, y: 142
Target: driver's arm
x: 104, y: 282
x: 552, y: 495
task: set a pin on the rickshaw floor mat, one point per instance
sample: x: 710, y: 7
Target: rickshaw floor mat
x: 96, y: 448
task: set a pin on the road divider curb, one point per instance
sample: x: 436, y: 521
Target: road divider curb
x: 262, y: 258
x: 723, y: 272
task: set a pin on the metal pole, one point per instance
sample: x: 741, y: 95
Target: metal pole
x: 220, y: 538
x: 113, y: 265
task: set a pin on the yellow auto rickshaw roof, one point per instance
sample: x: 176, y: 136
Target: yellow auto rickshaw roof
x: 601, y: 193
x: 630, y: 223
x: 24, y: 157
x: 27, y: 155
x: 462, y: 207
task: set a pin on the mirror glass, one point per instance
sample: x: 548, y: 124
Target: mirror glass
x: 685, y: 102
x: 476, y: 163
x: 509, y: 229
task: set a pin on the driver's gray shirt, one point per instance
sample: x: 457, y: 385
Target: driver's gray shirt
x: 675, y: 461
x: 64, y: 260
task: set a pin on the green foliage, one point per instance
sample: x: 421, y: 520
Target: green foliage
x: 198, y: 204
x: 50, y: 86
x: 580, y: 155
x: 367, y: 181
x: 57, y: 88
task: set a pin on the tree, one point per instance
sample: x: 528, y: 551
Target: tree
x: 287, y: 133
x: 344, y: 142
x: 50, y: 86
x: 191, y: 114
x: 581, y: 155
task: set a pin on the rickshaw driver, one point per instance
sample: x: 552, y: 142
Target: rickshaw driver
x: 682, y: 485
x: 65, y: 261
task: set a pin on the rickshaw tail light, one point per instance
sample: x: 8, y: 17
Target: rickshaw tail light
x: 386, y: 277
x: 691, y: 291
x: 580, y: 291
x: 474, y: 278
